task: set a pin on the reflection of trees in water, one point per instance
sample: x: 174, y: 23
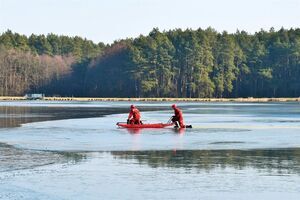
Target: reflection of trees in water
x: 273, y: 160
x: 14, y: 116
x: 72, y: 157
x: 12, y: 158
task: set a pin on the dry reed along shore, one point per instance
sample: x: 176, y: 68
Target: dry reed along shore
x: 250, y: 99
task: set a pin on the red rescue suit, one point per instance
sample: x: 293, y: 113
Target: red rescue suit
x: 134, y: 116
x: 178, y: 117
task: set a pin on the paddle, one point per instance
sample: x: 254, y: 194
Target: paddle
x: 169, y: 121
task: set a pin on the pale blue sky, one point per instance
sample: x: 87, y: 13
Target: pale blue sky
x: 109, y: 20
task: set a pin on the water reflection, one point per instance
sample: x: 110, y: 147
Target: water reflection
x: 179, y: 130
x: 134, y: 130
x: 278, y: 161
x: 12, y: 158
x: 141, y: 130
x: 14, y: 116
x: 11, y: 116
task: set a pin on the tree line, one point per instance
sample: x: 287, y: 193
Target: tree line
x: 175, y: 63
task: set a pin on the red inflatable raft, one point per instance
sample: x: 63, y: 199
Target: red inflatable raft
x: 158, y: 125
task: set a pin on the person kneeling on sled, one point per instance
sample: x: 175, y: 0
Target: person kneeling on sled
x: 134, y: 116
x: 177, y: 119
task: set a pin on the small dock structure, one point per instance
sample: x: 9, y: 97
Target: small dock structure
x: 35, y: 96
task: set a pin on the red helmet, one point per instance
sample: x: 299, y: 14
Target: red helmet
x: 132, y: 106
x: 174, y: 106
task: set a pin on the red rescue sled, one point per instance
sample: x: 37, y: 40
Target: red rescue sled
x: 157, y: 125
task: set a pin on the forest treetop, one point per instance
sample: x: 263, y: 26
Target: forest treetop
x: 175, y: 63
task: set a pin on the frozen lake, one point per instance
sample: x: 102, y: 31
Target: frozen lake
x: 73, y: 150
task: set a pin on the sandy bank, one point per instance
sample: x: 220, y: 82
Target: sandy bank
x: 250, y: 99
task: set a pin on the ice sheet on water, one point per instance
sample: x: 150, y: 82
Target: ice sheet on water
x: 227, y: 152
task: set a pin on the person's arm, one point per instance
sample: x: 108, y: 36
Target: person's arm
x: 130, y: 115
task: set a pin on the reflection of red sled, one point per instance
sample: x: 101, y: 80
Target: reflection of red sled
x: 157, y: 125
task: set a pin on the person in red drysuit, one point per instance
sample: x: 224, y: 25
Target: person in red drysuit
x: 177, y: 118
x: 134, y: 116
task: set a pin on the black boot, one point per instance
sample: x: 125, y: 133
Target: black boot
x: 176, y: 124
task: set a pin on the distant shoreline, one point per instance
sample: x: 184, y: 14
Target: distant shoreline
x: 250, y: 99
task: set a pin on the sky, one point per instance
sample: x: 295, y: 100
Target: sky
x: 110, y: 20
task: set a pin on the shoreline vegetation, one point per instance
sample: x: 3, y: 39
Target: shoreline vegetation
x: 249, y: 99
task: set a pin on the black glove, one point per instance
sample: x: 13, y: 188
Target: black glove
x: 173, y: 119
x: 128, y: 121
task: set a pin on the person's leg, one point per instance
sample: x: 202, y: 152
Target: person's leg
x: 175, y: 119
x: 176, y: 123
x: 137, y: 121
x: 131, y: 121
x: 181, y: 123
